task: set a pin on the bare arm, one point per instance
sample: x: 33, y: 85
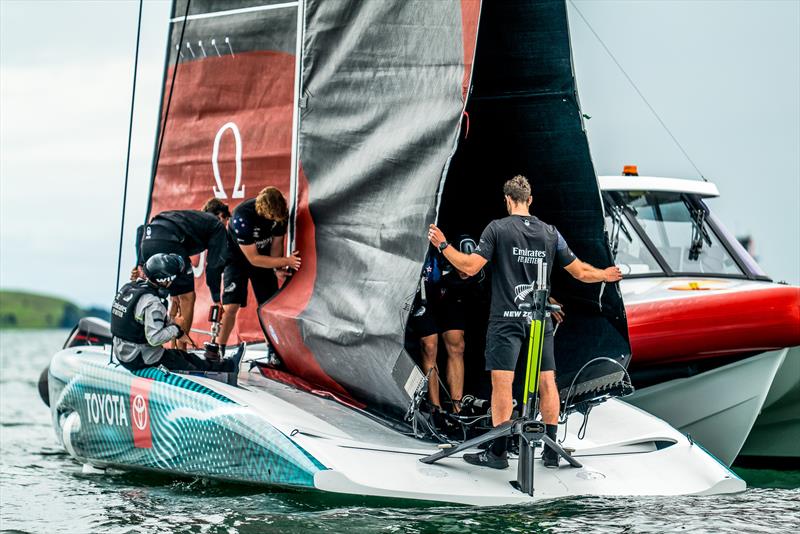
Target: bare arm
x: 470, y: 264
x: 269, y: 262
x: 588, y: 274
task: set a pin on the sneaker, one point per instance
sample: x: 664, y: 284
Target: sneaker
x: 233, y: 364
x: 487, y: 459
x: 550, y: 458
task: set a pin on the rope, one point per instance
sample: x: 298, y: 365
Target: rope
x: 652, y: 110
x: 130, y: 138
x: 166, y: 110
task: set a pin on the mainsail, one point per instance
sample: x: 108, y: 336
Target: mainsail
x: 355, y: 109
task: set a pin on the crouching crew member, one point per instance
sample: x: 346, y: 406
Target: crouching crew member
x: 442, y: 312
x: 515, y: 245
x: 186, y: 233
x: 140, y: 325
x: 256, y: 241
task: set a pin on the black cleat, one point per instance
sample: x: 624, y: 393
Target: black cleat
x: 550, y: 458
x: 487, y: 459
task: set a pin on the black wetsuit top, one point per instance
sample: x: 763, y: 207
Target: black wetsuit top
x: 196, y: 231
x: 514, y: 246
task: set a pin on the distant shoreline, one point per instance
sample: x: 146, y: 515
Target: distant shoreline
x: 24, y: 310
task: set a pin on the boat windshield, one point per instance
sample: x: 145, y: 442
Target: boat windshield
x: 680, y: 233
x: 630, y: 253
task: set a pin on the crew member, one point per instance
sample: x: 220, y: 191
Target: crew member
x: 186, y: 233
x: 256, y: 242
x: 140, y: 325
x: 442, y: 312
x: 515, y: 245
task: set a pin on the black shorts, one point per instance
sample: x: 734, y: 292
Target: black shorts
x: 441, y: 315
x: 506, y: 340
x: 237, y: 273
x: 184, y: 283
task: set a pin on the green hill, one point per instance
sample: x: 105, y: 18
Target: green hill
x: 19, y: 309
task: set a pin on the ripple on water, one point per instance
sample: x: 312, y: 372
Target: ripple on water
x: 42, y: 490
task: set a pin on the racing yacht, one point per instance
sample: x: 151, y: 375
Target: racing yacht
x: 375, y: 119
x: 714, y: 339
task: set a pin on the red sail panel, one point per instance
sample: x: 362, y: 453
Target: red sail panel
x: 226, y: 124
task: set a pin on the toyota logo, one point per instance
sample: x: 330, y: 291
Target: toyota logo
x: 139, y: 412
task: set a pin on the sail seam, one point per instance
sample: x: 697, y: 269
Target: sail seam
x: 235, y: 11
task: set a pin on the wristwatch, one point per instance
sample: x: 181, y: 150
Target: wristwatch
x: 443, y: 245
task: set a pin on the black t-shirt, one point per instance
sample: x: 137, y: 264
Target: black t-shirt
x: 247, y: 227
x: 515, y: 246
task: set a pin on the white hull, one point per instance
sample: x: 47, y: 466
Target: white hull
x: 315, y: 442
x: 776, y: 432
x: 718, y: 407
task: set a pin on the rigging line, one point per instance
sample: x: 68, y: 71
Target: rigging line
x: 641, y: 95
x: 130, y: 138
x: 163, y: 131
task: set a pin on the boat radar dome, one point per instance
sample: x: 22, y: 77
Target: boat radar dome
x: 630, y: 170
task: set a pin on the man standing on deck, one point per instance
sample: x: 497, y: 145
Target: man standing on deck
x: 515, y: 245
x: 256, y: 241
x: 186, y: 233
x: 140, y: 325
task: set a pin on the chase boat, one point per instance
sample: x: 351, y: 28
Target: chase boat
x: 375, y: 119
x: 716, y: 343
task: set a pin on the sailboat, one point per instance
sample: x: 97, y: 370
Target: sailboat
x: 716, y: 343
x: 375, y: 119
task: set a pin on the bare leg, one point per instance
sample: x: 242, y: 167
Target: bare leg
x: 186, y: 314
x: 502, y: 396
x: 430, y: 348
x: 549, y: 403
x: 227, y: 322
x: 454, y: 343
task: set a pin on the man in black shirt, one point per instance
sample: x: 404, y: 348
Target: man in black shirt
x: 186, y: 233
x: 515, y: 246
x: 256, y: 241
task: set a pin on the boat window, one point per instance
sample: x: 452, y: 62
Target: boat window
x: 679, y: 231
x: 630, y: 253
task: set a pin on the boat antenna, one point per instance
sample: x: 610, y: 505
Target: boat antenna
x: 130, y: 137
x: 635, y: 88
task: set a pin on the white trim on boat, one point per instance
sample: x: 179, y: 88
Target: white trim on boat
x: 654, y: 183
x: 240, y: 11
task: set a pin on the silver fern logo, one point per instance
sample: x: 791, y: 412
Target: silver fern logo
x: 522, y: 291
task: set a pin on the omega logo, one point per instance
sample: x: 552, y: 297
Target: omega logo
x: 139, y: 414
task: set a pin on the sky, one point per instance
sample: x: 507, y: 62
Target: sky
x: 724, y: 76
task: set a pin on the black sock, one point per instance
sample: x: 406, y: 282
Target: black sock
x: 551, y: 431
x: 499, y: 446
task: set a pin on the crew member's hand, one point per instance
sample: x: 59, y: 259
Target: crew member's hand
x: 186, y: 339
x: 559, y: 315
x: 293, y: 261
x: 612, y: 274
x: 282, y: 274
x: 435, y: 236
x: 136, y: 273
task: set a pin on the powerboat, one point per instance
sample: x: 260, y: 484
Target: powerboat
x: 714, y: 340
x: 374, y: 119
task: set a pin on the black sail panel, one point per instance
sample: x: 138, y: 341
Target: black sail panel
x: 525, y: 119
x: 382, y: 100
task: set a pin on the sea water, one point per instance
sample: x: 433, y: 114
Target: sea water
x: 43, y: 490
